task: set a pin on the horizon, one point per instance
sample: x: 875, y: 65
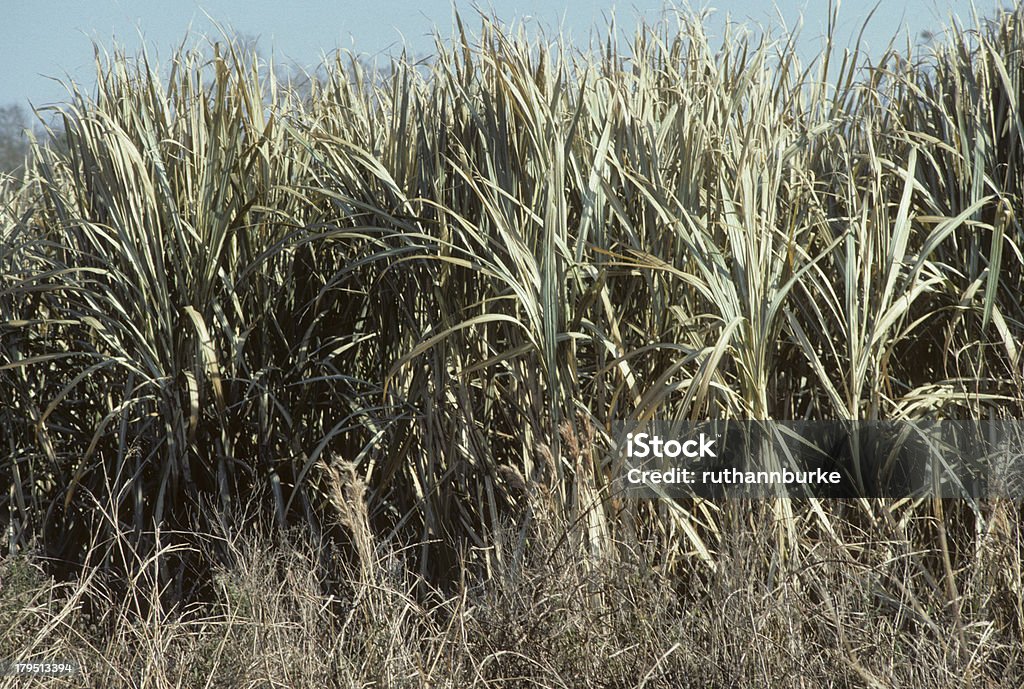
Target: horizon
x: 61, y: 48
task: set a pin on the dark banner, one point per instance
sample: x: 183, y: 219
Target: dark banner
x: 825, y: 459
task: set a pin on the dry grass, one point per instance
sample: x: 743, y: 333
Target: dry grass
x: 283, y: 614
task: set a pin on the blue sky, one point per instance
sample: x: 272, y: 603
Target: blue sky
x: 48, y: 39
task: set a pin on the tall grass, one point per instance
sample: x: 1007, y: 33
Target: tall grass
x: 454, y: 276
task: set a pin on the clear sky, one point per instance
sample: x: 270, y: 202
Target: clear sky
x: 43, y: 40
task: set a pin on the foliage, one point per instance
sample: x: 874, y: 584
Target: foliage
x: 454, y: 277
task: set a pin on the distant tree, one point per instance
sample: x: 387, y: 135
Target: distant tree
x: 13, y: 139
